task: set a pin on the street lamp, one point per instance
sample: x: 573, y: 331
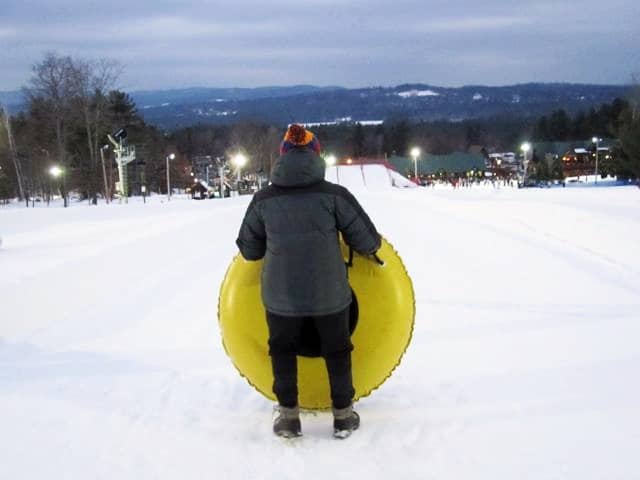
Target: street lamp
x: 415, y: 153
x: 597, y: 141
x: 239, y: 161
x: 171, y: 156
x: 330, y: 160
x: 525, y: 147
x: 58, y: 173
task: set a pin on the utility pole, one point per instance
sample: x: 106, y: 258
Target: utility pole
x: 221, y: 164
x: 107, y: 193
x: 596, y: 140
x: 168, y: 158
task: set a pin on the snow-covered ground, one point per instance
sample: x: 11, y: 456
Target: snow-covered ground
x: 524, y: 362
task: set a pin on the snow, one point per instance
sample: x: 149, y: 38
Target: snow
x: 418, y: 93
x: 364, y: 123
x: 523, y: 364
x: 366, y: 176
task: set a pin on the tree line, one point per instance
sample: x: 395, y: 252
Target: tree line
x: 617, y: 122
x: 72, y: 104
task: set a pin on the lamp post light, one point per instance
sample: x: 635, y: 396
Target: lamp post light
x: 415, y: 153
x: 330, y: 160
x: 597, y: 141
x: 525, y: 147
x: 58, y: 173
x: 171, y: 156
x: 239, y: 160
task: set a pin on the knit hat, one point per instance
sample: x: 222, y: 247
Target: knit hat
x: 297, y: 136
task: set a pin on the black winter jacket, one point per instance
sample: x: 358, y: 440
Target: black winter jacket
x: 294, y: 223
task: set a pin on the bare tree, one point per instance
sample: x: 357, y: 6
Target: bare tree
x: 52, y: 83
x: 92, y: 81
x: 259, y: 142
x: 4, y: 114
x: 75, y: 96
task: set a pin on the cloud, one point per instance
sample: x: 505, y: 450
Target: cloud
x: 6, y: 32
x: 474, y: 24
x: 327, y: 41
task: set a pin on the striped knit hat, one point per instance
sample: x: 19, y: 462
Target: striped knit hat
x: 297, y: 136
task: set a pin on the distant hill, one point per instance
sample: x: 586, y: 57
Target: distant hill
x: 414, y: 102
x: 151, y: 98
x: 310, y: 104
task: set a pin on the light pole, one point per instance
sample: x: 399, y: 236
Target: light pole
x: 525, y: 147
x: 415, y: 153
x: 239, y: 161
x: 332, y: 160
x: 46, y: 152
x: 107, y: 194
x: 169, y: 157
x: 596, y: 140
x: 57, y: 173
x: 221, y: 164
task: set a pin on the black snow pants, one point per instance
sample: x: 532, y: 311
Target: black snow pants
x: 336, y: 347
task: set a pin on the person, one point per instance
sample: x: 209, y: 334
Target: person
x: 294, y: 224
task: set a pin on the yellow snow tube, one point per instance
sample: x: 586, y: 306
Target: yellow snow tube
x: 385, y: 311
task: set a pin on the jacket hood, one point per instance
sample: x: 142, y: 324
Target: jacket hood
x: 297, y: 168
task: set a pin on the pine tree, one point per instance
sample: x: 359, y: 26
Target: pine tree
x: 559, y: 125
x: 628, y: 156
x: 357, y: 141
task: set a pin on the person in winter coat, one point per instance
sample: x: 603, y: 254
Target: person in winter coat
x: 294, y: 224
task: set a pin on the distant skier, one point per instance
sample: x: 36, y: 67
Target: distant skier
x: 294, y: 223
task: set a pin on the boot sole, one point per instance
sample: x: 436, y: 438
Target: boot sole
x: 343, y: 434
x: 288, y: 435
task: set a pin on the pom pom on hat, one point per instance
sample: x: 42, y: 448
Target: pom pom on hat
x: 298, y: 136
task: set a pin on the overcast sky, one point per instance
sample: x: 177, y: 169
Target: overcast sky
x: 350, y: 43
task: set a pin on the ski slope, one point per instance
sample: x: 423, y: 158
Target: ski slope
x: 370, y: 177
x: 523, y: 364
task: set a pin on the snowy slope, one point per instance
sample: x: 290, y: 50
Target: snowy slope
x: 523, y: 364
x: 371, y: 177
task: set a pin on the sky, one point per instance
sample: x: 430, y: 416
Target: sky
x: 350, y: 43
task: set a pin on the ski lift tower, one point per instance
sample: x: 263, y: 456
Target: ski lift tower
x: 125, y: 154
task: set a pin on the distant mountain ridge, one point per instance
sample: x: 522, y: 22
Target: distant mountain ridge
x: 311, y: 104
x: 199, y: 94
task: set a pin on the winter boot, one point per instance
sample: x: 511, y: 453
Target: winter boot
x: 345, y: 421
x: 286, y: 422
